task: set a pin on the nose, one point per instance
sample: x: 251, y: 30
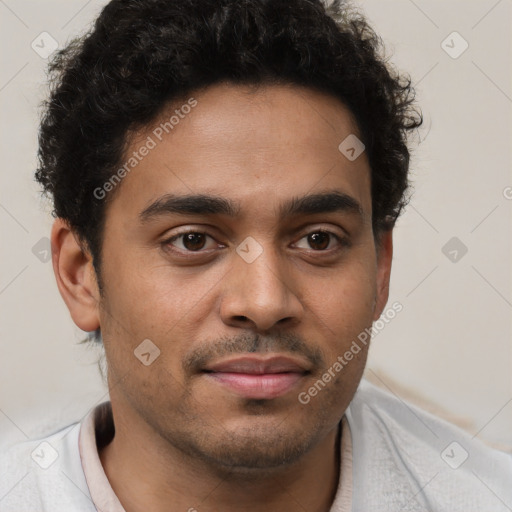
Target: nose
x: 260, y: 295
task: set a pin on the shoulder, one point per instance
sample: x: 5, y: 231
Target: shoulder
x: 429, y: 463
x: 44, y: 474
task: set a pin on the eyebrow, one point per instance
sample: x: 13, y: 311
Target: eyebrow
x: 203, y: 204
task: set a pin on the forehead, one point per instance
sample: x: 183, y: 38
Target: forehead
x: 251, y: 145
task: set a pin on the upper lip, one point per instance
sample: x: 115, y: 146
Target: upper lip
x: 259, y: 365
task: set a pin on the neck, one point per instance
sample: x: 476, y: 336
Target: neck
x: 150, y: 474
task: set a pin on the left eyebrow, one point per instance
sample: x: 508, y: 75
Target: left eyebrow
x: 328, y: 202
x: 202, y: 204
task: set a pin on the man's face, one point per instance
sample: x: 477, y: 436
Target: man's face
x: 222, y: 308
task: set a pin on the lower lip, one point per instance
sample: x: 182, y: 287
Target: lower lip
x: 265, y: 386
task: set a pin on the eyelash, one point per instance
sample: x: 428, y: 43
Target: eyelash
x: 342, y: 241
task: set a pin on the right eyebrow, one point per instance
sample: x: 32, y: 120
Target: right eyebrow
x: 198, y: 204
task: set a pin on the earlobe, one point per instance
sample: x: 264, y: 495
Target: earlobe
x: 75, y: 275
x: 384, y: 258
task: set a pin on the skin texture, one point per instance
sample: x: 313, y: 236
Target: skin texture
x: 182, y: 440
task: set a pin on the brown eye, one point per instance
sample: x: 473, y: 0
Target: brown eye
x: 193, y: 241
x: 323, y: 241
x: 319, y: 240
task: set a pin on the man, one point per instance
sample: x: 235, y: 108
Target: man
x: 226, y: 177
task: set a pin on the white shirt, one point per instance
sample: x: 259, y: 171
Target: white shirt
x: 394, y: 457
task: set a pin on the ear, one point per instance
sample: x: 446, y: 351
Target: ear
x: 75, y: 275
x: 384, y: 248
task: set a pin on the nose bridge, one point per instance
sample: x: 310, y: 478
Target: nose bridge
x: 258, y: 288
x: 264, y: 274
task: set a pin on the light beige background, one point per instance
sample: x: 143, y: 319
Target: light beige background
x: 451, y: 344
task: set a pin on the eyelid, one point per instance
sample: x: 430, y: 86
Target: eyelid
x: 343, y: 241
x: 169, y: 240
x: 309, y: 227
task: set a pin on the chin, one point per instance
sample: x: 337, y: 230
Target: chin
x: 262, y: 446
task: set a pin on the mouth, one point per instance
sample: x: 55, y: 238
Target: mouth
x: 257, y: 377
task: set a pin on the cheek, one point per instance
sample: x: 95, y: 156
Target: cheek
x: 350, y: 288
x: 152, y: 296
x: 158, y: 303
x: 343, y: 306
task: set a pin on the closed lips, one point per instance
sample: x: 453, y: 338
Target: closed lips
x: 258, y: 366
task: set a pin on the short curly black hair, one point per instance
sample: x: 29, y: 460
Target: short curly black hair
x: 142, y: 54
